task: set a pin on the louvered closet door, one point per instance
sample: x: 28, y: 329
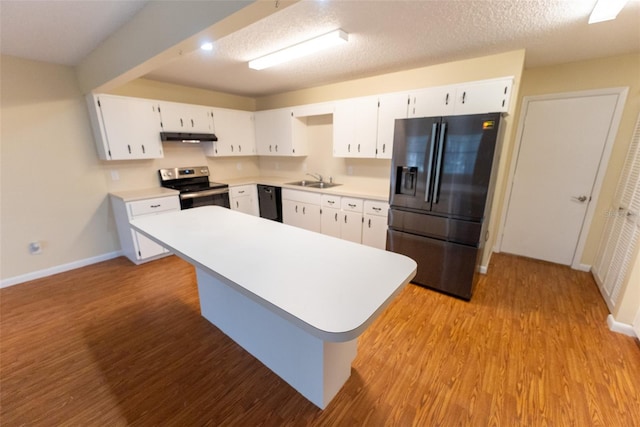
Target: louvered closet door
x: 622, y: 230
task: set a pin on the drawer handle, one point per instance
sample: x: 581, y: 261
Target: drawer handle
x: 155, y: 206
x: 331, y: 202
x: 241, y: 192
x: 376, y: 209
x: 351, y: 205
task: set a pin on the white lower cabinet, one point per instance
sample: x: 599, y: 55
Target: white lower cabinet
x: 374, y: 226
x: 351, y: 219
x: 135, y: 246
x: 331, y: 215
x: 244, y: 198
x: 357, y: 220
x: 301, y: 209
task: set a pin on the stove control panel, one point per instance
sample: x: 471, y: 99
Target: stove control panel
x: 178, y: 173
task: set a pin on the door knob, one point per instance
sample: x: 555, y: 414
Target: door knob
x: 580, y: 199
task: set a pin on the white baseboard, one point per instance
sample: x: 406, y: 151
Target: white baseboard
x: 582, y: 267
x: 483, y: 269
x: 621, y: 328
x: 58, y: 269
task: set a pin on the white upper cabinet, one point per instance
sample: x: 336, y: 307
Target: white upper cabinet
x: 177, y: 117
x: 355, y: 127
x: 280, y: 133
x: 483, y: 97
x: 435, y: 101
x: 489, y: 96
x: 235, y: 130
x: 363, y: 127
x: 390, y: 107
x: 125, y: 128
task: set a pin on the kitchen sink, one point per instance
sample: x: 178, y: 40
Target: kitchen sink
x: 314, y: 184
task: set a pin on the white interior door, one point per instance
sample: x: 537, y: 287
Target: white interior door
x: 560, y: 150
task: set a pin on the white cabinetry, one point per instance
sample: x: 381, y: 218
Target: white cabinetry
x: 390, y: 107
x: 280, y: 133
x: 135, y: 246
x: 177, y: 117
x: 374, y: 226
x: 363, y: 127
x: 435, y: 101
x: 235, y: 130
x: 330, y: 217
x: 244, y: 198
x: 488, y: 96
x: 355, y: 127
x: 125, y: 128
x: 351, y: 219
x: 301, y: 209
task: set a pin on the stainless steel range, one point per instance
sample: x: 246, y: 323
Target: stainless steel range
x: 194, y: 186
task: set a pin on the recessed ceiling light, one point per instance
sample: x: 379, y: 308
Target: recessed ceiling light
x: 301, y: 49
x: 206, y: 46
x: 606, y: 10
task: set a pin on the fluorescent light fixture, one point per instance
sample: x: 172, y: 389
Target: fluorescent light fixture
x: 606, y: 10
x: 308, y: 47
x: 206, y: 46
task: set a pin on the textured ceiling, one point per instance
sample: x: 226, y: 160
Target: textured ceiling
x: 61, y: 32
x: 384, y: 36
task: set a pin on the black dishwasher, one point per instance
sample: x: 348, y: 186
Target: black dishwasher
x: 270, y: 199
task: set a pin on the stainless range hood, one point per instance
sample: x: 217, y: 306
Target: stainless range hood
x: 188, y: 138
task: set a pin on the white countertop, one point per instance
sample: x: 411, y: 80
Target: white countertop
x: 143, y: 194
x: 362, y: 190
x: 331, y: 288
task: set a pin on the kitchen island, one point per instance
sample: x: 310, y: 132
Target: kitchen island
x: 294, y: 299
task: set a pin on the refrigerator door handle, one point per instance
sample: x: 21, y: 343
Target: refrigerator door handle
x: 434, y: 131
x: 436, y: 187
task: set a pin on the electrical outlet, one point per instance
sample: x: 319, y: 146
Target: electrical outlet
x: 115, y: 176
x: 35, y: 248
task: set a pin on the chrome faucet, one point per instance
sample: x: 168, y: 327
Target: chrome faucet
x: 316, y: 176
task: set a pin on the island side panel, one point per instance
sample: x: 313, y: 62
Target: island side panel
x: 316, y: 369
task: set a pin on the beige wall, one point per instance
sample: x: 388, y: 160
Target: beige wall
x: 54, y: 188
x: 602, y: 73
x: 586, y: 75
x: 487, y: 67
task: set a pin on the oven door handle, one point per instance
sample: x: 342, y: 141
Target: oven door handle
x: 195, y: 194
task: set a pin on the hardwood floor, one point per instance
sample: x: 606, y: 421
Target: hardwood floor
x: 115, y: 344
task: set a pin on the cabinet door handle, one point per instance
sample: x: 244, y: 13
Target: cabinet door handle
x: 369, y: 222
x: 232, y: 148
x: 269, y: 147
x: 129, y: 148
x: 304, y: 210
x: 446, y: 100
x: 143, y: 150
x: 181, y: 123
x: 358, y: 148
x: 464, y: 96
x: 296, y: 208
x: 239, y: 148
x: 192, y: 125
x: 345, y: 219
x: 237, y: 204
x: 276, y: 148
x: 336, y: 216
x: 383, y: 148
x: 348, y: 148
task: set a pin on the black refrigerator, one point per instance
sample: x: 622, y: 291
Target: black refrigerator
x: 442, y: 179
